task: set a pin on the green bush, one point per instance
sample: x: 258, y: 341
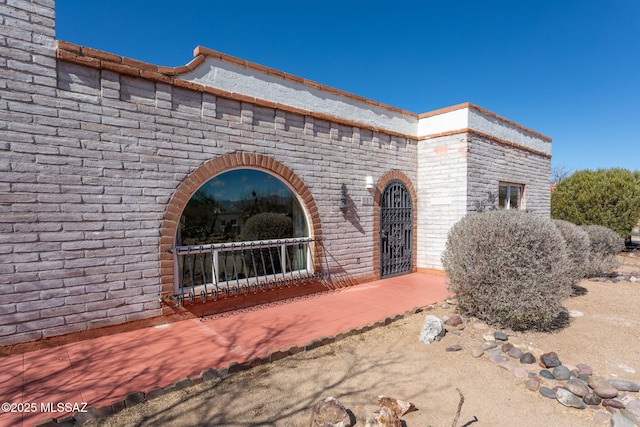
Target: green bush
x: 509, y: 268
x: 604, y: 245
x: 577, y: 245
x: 267, y: 226
x: 606, y: 197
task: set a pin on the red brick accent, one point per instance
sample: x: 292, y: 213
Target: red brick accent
x: 208, y: 170
x: 382, y: 182
x: 107, y: 61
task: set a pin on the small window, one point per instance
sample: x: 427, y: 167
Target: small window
x: 510, y: 196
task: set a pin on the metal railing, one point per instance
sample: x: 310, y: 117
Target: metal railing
x: 207, y: 272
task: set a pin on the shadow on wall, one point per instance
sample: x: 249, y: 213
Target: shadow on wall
x: 350, y: 212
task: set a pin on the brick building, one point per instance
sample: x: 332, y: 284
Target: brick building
x: 100, y: 155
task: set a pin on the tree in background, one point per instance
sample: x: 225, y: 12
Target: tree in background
x: 558, y: 173
x: 606, y: 197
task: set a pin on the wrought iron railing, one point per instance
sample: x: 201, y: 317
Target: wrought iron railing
x: 208, y: 272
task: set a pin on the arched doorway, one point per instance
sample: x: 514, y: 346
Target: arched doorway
x: 396, y: 229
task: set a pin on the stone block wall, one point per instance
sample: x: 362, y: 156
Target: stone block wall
x: 99, y: 154
x: 442, y: 189
x: 91, y: 158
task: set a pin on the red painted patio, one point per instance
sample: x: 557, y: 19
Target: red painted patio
x: 102, y: 371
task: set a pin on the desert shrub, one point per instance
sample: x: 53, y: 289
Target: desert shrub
x: 577, y: 245
x: 508, y: 268
x: 606, y: 197
x: 604, y: 245
x: 267, y: 226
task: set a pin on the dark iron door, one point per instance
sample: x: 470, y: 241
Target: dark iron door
x: 396, y: 229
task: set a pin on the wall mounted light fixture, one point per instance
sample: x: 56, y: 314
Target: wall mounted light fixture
x: 343, y: 197
x: 368, y: 182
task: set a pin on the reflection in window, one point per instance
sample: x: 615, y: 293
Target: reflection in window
x: 238, y: 229
x: 510, y: 196
x: 241, y: 205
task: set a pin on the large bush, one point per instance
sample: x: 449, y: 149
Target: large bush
x: 606, y: 197
x: 604, y: 245
x: 578, y: 247
x: 509, y: 268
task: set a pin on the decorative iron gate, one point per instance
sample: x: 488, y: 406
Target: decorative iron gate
x: 396, y: 226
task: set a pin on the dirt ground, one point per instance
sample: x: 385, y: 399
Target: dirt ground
x: 391, y: 361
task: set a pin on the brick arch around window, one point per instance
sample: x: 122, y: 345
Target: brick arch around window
x: 382, y: 183
x: 204, y: 173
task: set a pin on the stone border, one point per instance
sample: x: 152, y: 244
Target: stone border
x: 209, y: 374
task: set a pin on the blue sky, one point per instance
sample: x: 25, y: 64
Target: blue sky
x: 568, y: 69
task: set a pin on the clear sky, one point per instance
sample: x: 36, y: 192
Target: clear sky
x: 568, y: 69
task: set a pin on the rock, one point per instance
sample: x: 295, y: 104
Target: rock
x: 591, y: 398
x: 500, y: 336
x: 454, y: 347
x: 633, y: 406
x: 527, y: 358
x: 498, y: 358
x: 432, y: 330
x: 601, y: 418
x: 547, y: 392
x: 606, y: 392
x: 477, y: 352
x: 584, y: 369
x: 506, y: 347
x: 613, y: 403
x: 384, y: 417
x: 330, y: 413
x: 400, y: 407
x: 569, y: 399
x: 631, y: 415
x: 547, y: 374
x: 577, y: 387
x: 488, y: 345
x: 480, y: 326
x: 550, y: 360
x: 532, y: 384
x: 561, y: 373
x: 520, y: 372
x: 455, y: 320
x: 622, y: 385
x: 508, y: 365
x: 596, y: 381
x: 515, y: 352
x: 619, y: 420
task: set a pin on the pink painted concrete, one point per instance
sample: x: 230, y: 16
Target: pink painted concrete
x: 104, y: 370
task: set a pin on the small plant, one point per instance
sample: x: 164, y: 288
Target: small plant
x: 578, y: 247
x: 604, y: 245
x: 509, y: 268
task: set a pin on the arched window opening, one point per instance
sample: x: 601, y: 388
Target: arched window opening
x: 242, y: 230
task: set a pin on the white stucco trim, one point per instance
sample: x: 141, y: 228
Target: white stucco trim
x: 233, y: 78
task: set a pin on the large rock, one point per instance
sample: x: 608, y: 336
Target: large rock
x: 400, y: 407
x: 432, y: 330
x: 330, y: 413
x: 384, y: 417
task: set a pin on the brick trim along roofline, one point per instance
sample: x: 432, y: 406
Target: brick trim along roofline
x: 485, y: 112
x: 489, y: 137
x: 101, y: 60
x: 98, y: 59
x: 205, y: 172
